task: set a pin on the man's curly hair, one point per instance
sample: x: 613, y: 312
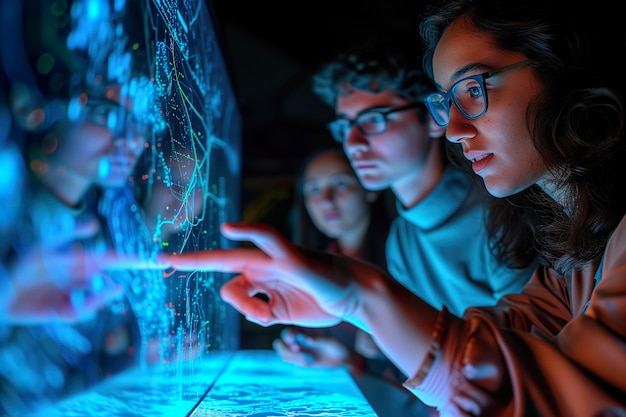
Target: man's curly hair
x: 374, y: 66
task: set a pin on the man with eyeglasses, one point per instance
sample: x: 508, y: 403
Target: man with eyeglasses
x: 438, y: 245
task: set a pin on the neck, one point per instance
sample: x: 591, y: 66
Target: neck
x: 411, y: 189
x: 351, y: 242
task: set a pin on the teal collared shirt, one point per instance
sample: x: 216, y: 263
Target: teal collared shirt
x: 439, y: 249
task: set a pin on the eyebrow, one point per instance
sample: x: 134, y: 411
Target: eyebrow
x: 369, y: 109
x: 348, y: 173
x: 464, y: 70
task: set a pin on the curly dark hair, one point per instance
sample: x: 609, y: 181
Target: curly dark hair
x: 577, y: 121
x: 385, y: 63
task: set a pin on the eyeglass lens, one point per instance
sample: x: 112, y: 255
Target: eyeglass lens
x: 467, y: 94
x: 369, y: 123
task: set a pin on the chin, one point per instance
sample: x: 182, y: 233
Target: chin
x: 373, y: 185
x: 498, y: 190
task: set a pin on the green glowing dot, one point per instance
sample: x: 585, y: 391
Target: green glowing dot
x: 45, y: 63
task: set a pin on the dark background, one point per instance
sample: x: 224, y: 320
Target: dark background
x: 271, y: 49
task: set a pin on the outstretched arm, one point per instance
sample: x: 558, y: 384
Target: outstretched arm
x: 314, y: 289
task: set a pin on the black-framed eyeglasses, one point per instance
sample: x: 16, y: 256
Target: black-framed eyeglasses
x: 369, y: 122
x: 469, y: 95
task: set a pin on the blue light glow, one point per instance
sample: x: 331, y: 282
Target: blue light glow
x: 229, y: 384
x: 174, y: 84
x: 94, y: 10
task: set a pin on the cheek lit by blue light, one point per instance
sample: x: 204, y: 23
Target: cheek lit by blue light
x: 112, y: 118
x: 94, y: 9
x: 74, y: 109
x: 10, y: 171
x: 77, y: 299
x: 11, y: 184
x: 104, y: 168
x: 97, y: 284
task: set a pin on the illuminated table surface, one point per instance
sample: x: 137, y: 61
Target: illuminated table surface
x: 252, y: 383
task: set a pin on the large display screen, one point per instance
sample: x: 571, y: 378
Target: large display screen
x: 121, y: 131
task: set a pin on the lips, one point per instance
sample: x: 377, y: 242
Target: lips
x: 480, y: 162
x: 331, y: 215
x: 364, y: 166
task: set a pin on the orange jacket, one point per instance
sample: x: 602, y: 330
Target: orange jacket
x: 556, y: 349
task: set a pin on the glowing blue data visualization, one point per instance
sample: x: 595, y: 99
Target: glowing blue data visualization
x: 142, y: 88
x: 156, y: 391
x: 257, y: 383
x: 188, y: 176
x: 245, y: 383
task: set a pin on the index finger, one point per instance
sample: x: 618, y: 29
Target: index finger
x: 111, y: 260
x: 224, y: 260
x: 262, y: 235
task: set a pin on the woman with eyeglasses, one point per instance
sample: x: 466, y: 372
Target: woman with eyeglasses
x: 534, y: 95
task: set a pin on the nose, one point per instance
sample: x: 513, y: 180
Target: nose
x: 328, y: 195
x: 356, y: 142
x: 459, y: 127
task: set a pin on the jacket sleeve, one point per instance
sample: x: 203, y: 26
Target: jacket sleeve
x: 556, y: 349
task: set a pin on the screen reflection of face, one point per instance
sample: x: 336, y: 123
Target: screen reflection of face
x: 104, y: 143
x: 176, y: 208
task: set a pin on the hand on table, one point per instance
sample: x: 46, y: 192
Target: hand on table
x: 365, y: 345
x: 305, y: 350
